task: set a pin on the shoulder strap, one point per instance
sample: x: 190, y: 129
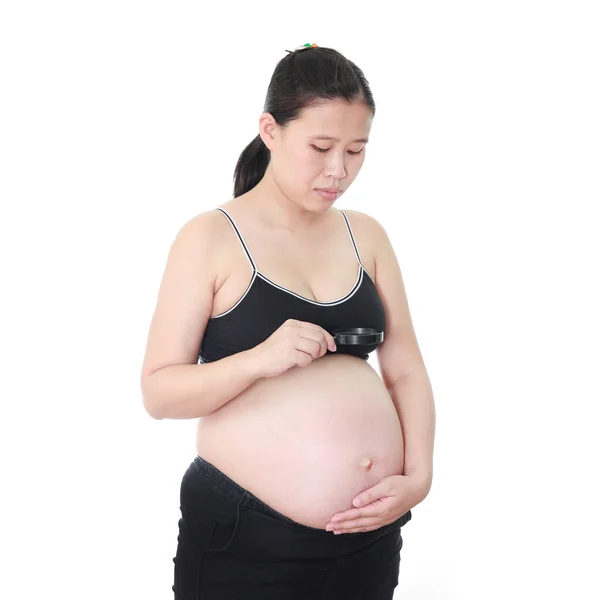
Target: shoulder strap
x: 352, y: 237
x: 237, y: 231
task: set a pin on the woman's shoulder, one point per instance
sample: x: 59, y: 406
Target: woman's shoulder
x: 205, y: 225
x: 203, y: 236
x: 364, y: 225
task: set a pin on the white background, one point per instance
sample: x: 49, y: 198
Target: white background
x: 119, y: 121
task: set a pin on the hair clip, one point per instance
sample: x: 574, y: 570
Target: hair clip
x: 302, y: 47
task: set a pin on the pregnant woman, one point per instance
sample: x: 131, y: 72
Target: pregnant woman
x: 307, y: 461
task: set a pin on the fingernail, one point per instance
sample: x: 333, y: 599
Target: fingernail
x: 329, y: 528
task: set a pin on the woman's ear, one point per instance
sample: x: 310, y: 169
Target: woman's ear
x: 268, y: 130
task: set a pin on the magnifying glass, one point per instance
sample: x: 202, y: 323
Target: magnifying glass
x: 361, y: 340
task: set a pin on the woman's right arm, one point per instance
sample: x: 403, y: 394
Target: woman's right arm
x: 191, y: 391
x: 173, y: 385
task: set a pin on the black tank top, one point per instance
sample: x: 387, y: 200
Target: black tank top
x: 265, y: 306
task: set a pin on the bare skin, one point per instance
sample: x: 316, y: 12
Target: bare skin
x: 309, y: 440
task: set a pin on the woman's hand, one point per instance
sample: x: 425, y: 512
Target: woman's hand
x: 381, y: 504
x: 294, y: 344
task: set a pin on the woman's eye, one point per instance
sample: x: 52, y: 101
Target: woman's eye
x: 327, y: 150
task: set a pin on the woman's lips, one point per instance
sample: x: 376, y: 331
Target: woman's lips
x: 329, y: 195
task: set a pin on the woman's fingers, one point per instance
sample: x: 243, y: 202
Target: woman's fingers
x: 356, y: 525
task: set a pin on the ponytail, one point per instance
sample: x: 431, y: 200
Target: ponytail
x: 251, y: 166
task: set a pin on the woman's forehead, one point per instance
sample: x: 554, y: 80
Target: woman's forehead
x: 336, y: 120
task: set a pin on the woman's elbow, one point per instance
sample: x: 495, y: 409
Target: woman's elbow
x: 150, y: 402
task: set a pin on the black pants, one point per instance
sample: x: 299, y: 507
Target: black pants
x: 232, y: 546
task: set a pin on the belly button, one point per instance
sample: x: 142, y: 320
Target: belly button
x: 366, y: 463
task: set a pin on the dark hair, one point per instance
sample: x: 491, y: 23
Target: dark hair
x: 302, y: 79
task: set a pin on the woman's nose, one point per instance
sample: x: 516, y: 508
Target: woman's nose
x: 336, y: 168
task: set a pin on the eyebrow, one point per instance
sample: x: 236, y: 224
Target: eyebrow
x: 329, y: 137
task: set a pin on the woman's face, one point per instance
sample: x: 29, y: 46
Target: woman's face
x: 301, y: 163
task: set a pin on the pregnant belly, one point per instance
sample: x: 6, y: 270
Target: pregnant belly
x: 308, y: 441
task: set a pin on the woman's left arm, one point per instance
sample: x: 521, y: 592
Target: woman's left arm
x: 405, y: 376
x: 401, y: 363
